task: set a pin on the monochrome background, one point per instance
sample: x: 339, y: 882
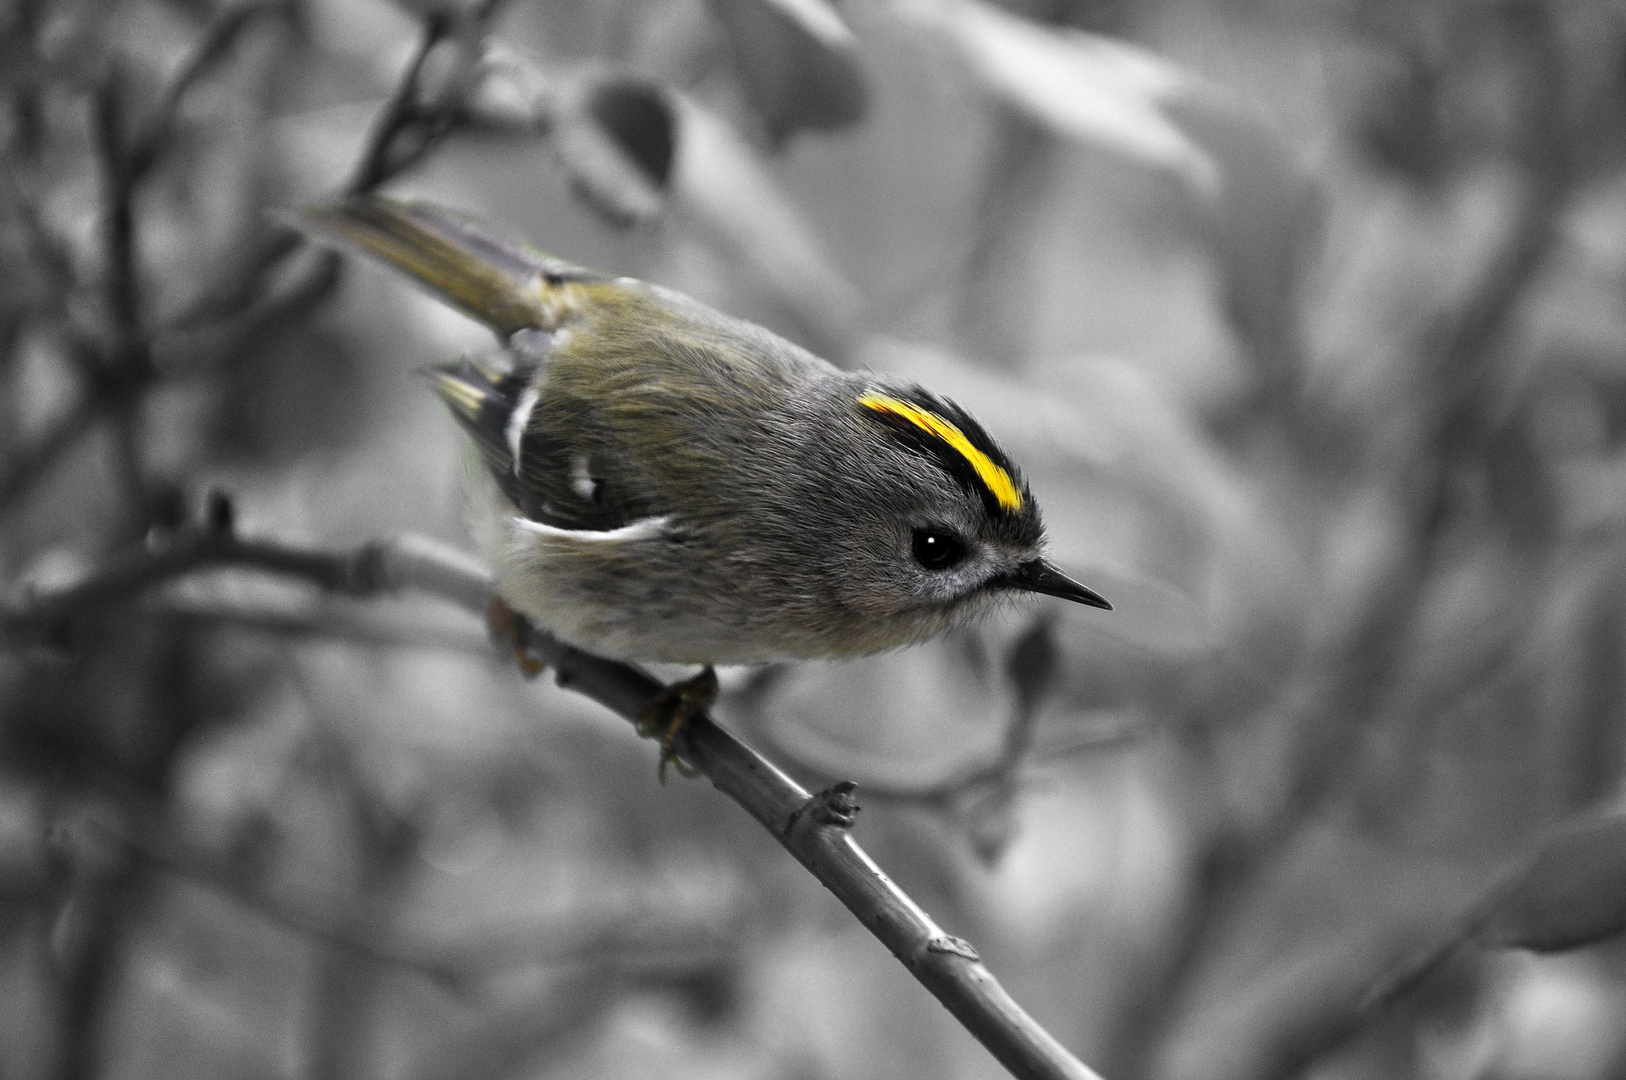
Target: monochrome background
x: 1306, y: 322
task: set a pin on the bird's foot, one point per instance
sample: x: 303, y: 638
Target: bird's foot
x: 665, y: 714
x: 510, y: 630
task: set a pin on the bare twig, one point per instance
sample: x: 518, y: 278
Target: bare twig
x: 322, y: 622
x: 35, y: 461
x: 1457, y: 358
x: 119, y: 178
x: 140, y: 831
x: 403, y: 116
x: 526, y: 1032
x: 403, y: 134
x: 212, y: 47
x: 39, y: 617
x: 230, y: 332
x: 121, y: 375
x: 1031, y: 667
x: 815, y: 829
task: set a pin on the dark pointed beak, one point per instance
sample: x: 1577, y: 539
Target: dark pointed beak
x: 1040, y: 577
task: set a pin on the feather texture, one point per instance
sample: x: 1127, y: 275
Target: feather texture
x: 664, y: 482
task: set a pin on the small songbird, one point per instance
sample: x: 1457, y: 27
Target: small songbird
x: 661, y: 482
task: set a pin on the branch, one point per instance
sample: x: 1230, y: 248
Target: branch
x: 814, y: 829
x: 381, y: 159
x: 405, y: 117
x: 233, y: 325
x: 142, y: 832
x: 679, y: 940
x: 120, y: 175
x: 214, y: 44
x: 323, y: 622
x: 121, y: 374
x: 33, y: 462
x: 518, y: 1038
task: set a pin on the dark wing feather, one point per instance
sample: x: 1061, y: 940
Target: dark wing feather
x: 553, y: 483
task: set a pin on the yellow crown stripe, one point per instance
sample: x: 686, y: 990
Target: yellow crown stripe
x: 995, y: 478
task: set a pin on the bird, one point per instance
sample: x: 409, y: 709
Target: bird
x: 657, y: 481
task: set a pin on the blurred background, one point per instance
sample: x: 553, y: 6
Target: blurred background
x: 1306, y: 322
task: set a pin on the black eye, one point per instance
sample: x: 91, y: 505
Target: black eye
x: 938, y: 549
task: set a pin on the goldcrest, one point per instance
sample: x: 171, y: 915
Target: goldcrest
x: 658, y: 481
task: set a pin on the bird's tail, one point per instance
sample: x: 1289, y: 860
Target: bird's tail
x: 504, y: 285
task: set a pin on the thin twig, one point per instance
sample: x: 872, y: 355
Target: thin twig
x: 322, y: 621
x: 35, y: 461
x: 119, y: 178
x: 815, y: 829
x: 140, y: 832
x: 401, y: 112
x: 232, y: 332
x: 526, y: 1032
x: 266, y: 251
x: 381, y: 159
x: 126, y: 160
x: 1030, y: 667
x: 214, y: 44
x: 40, y: 616
x: 1456, y: 356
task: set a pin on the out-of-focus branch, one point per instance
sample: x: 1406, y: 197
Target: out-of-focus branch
x: 140, y: 831
x: 1030, y: 666
x: 245, y: 282
x: 199, y: 347
x: 409, y: 127
x: 371, y: 569
x: 1465, y: 340
x: 1003, y: 772
x: 120, y: 174
x: 121, y: 372
x: 35, y: 461
x: 405, y: 131
x: 1458, y: 356
x: 678, y: 938
x: 527, y: 1032
x: 1456, y: 359
x: 401, y: 114
x: 320, y: 622
x: 212, y: 47
x: 815, y: 829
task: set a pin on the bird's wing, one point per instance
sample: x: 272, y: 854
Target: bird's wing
x: 550, y: 478
x: 525, y: 297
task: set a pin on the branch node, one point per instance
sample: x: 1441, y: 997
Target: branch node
x: 219, y: 515
x: 834, y: 807
x: 948, y: 943
x: 367, y: 571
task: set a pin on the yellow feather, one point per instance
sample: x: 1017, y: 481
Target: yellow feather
x: 997, y: 479
x: 460, y: 395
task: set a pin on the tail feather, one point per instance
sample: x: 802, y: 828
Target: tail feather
x: 505, y: 286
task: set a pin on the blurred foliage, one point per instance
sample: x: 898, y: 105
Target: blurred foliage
x: 1308, y: 324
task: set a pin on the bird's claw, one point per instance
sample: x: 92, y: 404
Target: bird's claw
x: 510, y: 630
x: 665, y: 714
